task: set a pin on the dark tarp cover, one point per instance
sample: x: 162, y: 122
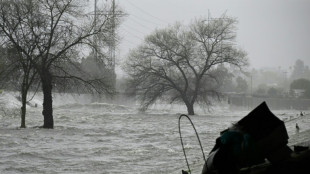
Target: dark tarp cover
x: 260, y: 122
x: 265, y: 135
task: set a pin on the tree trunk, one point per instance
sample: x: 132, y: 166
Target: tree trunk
x: 23, y: 108
x: 46, y: 79
x: 24, y: 92
x: 190, y: 108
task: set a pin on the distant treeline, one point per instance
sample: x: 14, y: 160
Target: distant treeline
x: 273, y: 103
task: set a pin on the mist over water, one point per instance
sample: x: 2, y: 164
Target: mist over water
x: 106, y: 138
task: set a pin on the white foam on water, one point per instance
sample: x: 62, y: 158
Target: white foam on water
x: 108, y: 138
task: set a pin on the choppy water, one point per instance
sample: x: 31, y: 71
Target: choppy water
x: 98, y: 138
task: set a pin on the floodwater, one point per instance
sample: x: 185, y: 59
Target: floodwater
x: 104, y: 138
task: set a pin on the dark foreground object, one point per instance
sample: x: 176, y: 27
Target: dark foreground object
x: 257, y: 144
x: 297, y: 164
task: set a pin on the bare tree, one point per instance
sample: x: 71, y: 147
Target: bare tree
x: 182, y: 63
x: 18, y: 69
x: 49, y: 33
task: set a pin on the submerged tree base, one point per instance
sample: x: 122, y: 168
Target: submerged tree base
x: 41, y: 127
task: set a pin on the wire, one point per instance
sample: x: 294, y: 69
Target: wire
x: 134, y: 29
x: 147, y: 13
x: 137, y: 22
x: 134, y: 35
x: 145, y: 20
x: 129, y: 43
x: 183, y: 115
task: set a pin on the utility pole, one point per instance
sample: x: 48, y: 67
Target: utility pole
x: 114, y: 15
x: 112, y: 45
x: 285, y: 81
x: 111, y: 59
x: 95, y: 24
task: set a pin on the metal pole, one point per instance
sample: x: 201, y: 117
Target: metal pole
x: 251, y: 85
x: 95, y: 26
x: 113, y: 36
x: 251, y: 90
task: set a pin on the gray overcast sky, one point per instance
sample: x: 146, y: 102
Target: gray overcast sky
x: 273, y: 32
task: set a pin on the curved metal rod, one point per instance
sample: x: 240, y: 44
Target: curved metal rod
x: 184, y: 115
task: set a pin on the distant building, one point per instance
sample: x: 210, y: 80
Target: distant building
x: 298, y: 92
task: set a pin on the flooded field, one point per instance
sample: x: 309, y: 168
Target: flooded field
x: 106, y: 138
